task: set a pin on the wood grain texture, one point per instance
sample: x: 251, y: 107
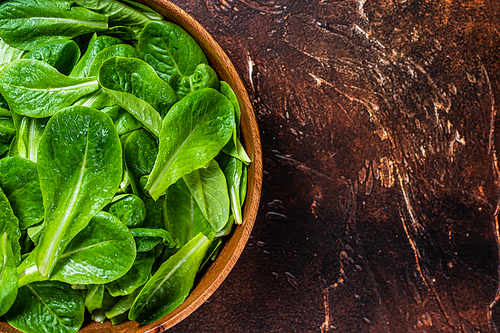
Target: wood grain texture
x: 380, y: 137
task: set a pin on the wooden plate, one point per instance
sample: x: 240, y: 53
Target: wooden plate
x: 218, y: 271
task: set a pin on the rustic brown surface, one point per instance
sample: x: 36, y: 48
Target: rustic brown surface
x: 379, y: 135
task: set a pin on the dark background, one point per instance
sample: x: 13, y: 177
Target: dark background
x: 380, y: 134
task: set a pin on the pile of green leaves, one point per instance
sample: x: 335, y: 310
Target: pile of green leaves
x: 121, y: 164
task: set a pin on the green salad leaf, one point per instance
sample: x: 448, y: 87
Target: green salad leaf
x: 80, y: 170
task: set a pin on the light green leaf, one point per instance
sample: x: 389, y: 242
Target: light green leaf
x: 132, y: 15
x: 8, y: 275
x: 171, y: 283
x: 193, y: 132
x: 91, y: 257
x: 10, y: 224
x: 208, y: 187
x: 134, y: 85
x: 27, y: 23
x: 184, y: 219
x: 8, y: 54
x: 96, y: 45
x: 80, y: 166
x: 35, y: 89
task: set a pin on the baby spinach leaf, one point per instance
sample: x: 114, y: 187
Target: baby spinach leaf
x: 96, y: 100
x: 203, y: 77
x: 154, y: 213
x: 27, y: 23
x: 121, y: 307
x: 47, y: 307
x: 19, y: 181
x: 193, y: 132
x: 122, y: 32
x: 8, y: 275
x: 91, y: 257
x: 7, y: 133
x: 169, y: 49
x: 99, y: 99
x: 34, y: 232
x: 60, y: 54
x: 134, y: 85
x: 146, y: 239
x: 144, y: 10
x: 119, y: 13
x: 10, y: 224
x: 94, y: 297
x: 234, y: 147
x: 140, y: 150
x: 184, y: 219
x: 130, y: 210
x: 118, y: 50
x: 35, y: 89
x: 233, y: 170
x: 8, y: 54
x: 126, y: 123
x: 96, y: 45
x: 208, y: 187
x: 29, y: 133
x: 171, y: 283
x: 226, y: 90
x: 243, y: 185
x: 135, y: 277
x: 80, y: 166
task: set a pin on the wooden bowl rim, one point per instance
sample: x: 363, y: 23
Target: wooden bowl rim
x: 251, y: 141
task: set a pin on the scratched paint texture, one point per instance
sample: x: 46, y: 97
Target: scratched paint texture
x: 380, y: 139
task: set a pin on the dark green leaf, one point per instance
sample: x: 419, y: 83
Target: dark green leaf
x: 20, y: 183
x: 47, y: 307
x: 130, y: 210
x: 146, y: 239
x: 135, y: 277
x: 60, y: 54
x: 170, y: 50
x: 122, y: 306
x: 140, y: 150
